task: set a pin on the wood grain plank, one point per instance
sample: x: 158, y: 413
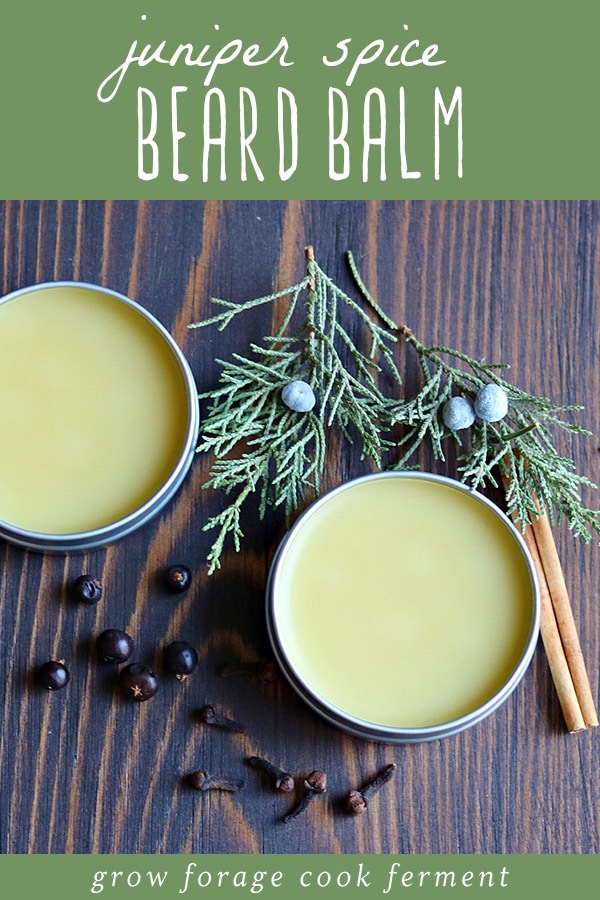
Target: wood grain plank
x: 83, y: 771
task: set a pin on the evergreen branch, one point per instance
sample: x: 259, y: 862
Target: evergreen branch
x: 276, y: 452
x: 234, y: 309
x: 363, y: 289
x: 228, y: 523
x: 262, y: 447
x: 541, y: 472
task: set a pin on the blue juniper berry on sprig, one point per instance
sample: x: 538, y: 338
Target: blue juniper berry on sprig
x: 270, y: 415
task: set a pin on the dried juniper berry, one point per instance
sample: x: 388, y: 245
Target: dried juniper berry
x: 54, y: 675
x: 177, y: 579
x: 138, y: 682
x: 114, y: 646
x: 180, y: 658
x: 86, y: 589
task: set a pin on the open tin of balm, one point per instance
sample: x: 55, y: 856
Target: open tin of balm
x: 99, y: 416
x: 403, y: 607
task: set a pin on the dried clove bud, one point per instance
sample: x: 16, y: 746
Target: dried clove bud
x: 355, y: 804
x: 202, y: 781
x: 210, y: 716
x: 315, y: 783
x: 357, y: 801
x: 281, y: 781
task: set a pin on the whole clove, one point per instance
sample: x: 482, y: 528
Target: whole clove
x: 314, y: 784
x: 202, y: 781
x: 357, y: 802
x: 280, y: 781
x: 210, y: 716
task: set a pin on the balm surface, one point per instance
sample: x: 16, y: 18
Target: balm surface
x: 403, y: 602
x: 93, y: 407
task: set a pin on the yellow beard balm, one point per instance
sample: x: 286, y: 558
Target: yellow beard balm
x: 403, y: 607
x: 99, y: 416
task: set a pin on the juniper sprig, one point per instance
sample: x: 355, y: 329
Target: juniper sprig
x: 259, y: 444
x: 520, y: 447
x: 263, y: 447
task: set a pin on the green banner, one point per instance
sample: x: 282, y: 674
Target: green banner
x: 424, y: 99
x: 226, y: 876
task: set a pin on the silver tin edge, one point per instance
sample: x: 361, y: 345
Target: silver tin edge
x: 383, y: 733
x: 100, y: 537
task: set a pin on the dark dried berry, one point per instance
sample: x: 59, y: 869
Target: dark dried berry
x: 86, y: 589
x: 114, y: 645
x: 180, y: 658
x: 54, y: 675
x: 138, y: 682
x: 178, y: 579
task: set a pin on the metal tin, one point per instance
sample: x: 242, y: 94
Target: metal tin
x: 99, y: 537
x: 372, y: 730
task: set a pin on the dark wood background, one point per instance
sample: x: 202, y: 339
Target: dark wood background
x: 83, y: 771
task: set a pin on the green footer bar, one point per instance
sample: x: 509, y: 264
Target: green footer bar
x: 169, y: 877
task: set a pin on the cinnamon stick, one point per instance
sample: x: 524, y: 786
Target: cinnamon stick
x: 557, y: 589
x: 557, y: 627
x: 553, y: 645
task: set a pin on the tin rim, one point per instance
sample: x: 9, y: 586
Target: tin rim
x: 376, y: 731
x: 105, y: 534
